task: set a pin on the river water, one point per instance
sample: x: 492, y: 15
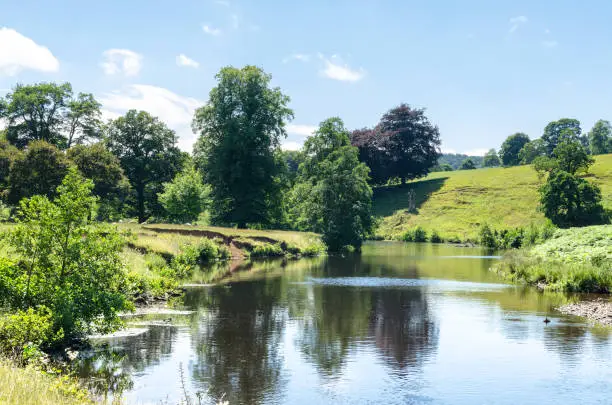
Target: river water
x: 397, y: 324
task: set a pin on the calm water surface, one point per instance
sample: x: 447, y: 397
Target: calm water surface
x: 398, y: 324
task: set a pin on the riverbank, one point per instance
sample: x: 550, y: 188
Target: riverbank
x: 598, y: 311
x: 572, y: 260
x: 30, y: 386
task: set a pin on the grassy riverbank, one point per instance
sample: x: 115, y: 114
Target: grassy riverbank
x: 455, y: 204
x: 573, y: 260
x: 28, y: 386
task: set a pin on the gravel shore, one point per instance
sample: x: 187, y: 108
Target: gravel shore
x: 598, y: 311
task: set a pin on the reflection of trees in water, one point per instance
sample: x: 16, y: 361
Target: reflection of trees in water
x: 238, y: 345
x: 402, y: 326
x: 334, y: 320
x: 565, y: 339
x: 109, y: 368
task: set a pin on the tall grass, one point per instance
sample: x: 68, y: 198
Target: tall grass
x: 28, y: 386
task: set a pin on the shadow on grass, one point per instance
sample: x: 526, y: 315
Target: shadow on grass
x: 389, y: 199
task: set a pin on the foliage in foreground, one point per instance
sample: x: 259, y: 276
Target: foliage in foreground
x: 66, y: 263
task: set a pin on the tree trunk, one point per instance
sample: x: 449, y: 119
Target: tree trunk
x: 140, y: 203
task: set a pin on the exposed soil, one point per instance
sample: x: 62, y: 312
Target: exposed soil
x: 598, y: 311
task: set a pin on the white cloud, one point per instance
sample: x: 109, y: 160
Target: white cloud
x: 549, y: 43
x: 121, y: 61
x: 183, y: 60
x: 297, y: 56
x: 448, y: 150
x: 222, y: 3
x: 18, y: 52
x: 335, y: 69
x: 515, y: 22
x: 476, y: 152
x: 174, y: 110
x: 211, y: 31
x: 302, y: 130
x: 291, y: 145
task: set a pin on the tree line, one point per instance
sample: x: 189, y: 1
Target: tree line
x: 237, y: 172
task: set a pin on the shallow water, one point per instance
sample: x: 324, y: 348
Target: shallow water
x: 398, y: 324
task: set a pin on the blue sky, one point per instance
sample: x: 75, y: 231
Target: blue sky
x: 483, y: 69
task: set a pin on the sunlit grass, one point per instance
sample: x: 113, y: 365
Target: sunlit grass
x: 456, y: 204
x: 27, y: 386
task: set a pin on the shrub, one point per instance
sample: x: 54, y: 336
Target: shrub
x: 267, y: 250
x: 26, y: 329
x: 419, y: 234
x: 487, y: 237
x: 435, y: 237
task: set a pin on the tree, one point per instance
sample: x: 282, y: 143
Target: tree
x: 404, y: 145
x: 531, y: 150
x: 82, y: 119
x: 147, y: 150
x: 556, y: 130
x: 241, y: 127
x: 491, y: 159
x: 38, y: 171
x: 8, y: 154
x: 509, y: 152
x: 97, y: 163
x: 468, y: 164
x: 66, y: 264
x: 185, y: 197
x: 600, y: 138
x: 47, y: 112
x: 332, y: 195
x: 568, y: 200
x: 572, y: 157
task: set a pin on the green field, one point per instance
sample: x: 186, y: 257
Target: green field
x: 456, y: 204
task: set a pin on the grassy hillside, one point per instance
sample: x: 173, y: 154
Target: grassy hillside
x: 456, y: 203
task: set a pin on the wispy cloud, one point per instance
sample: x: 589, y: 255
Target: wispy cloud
x: 235, y: 21
x: 211, y: 31
x: 549, y: 43
x: 297, y: 56
x: 476, y: 152
x: 335, y: 69
x: 18, y: 52
x: 183, y: 60
x: 224, y: 3
x: 121, y: 61
x: 516, y: 22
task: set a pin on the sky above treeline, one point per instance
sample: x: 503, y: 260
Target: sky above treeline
x: 482, y: 69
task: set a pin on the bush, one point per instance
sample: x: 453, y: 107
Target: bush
x: 436, y: 238
x: 26, y: 329
x: 487, y: 237
x: 267, y: 250
x: 420, y: 235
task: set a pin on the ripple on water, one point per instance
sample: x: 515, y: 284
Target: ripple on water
x: 386, y: 282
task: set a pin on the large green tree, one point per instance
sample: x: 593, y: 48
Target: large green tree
x: 240, y: 129
x: 147, y: 150
x: 568, y: 200
x: 49, y: 112
x: 404, y: 145
x: 600, y: 138
x: 572, y: 157
x: 556, y: 131
x: 510, y: 149
x: 532, y: 150
x: 38, y: 171
x: 332, y: 195
x: 97, y: 163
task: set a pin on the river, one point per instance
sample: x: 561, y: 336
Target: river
x: 397, y: 324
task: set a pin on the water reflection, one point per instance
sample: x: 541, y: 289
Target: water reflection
x: 398, y: 323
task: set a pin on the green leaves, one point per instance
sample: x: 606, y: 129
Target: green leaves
x: 240, y: 130
x: 185, y: 197
x: 332, y: 195
x: 67, y: 264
